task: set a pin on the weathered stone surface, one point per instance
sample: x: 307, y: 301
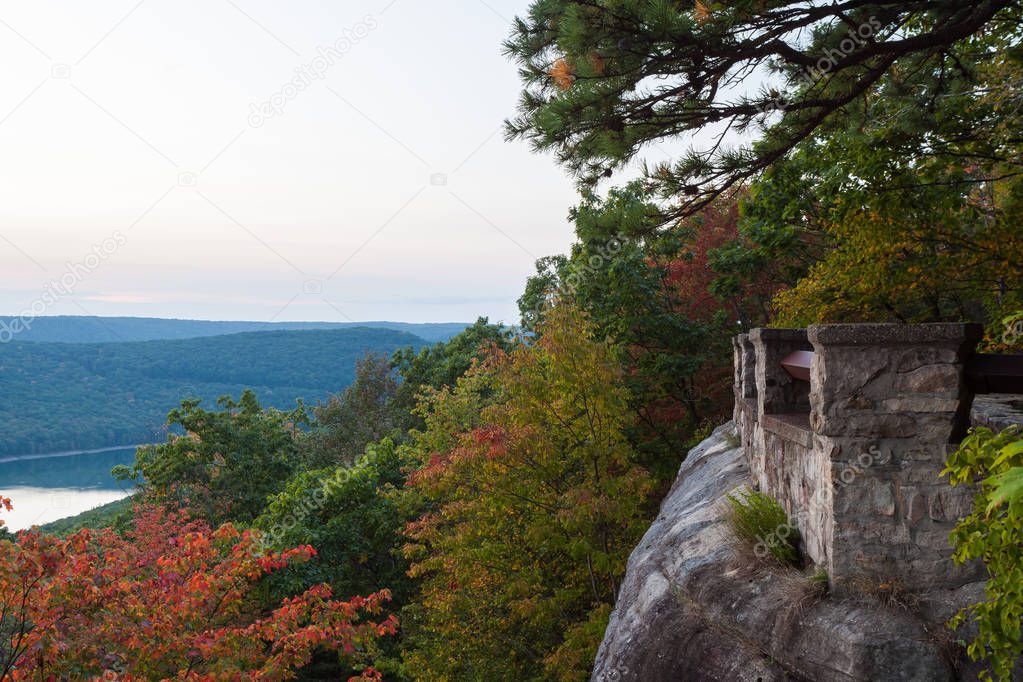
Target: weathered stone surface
x: 997, y: 411
x: 884, y: 498
x: 917, y: 507
x: 858, y: 466
x: 929, y: 378
x: 687, y: 611
x: 950, y: 504
x: 895, y: 334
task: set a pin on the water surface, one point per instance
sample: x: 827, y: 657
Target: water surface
x: 45, y: 488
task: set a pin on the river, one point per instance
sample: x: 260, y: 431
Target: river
x: 45, y: 488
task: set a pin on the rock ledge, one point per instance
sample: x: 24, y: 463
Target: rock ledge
x: 691, y: 609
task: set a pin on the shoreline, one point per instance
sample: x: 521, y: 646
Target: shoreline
x: 67, y: 453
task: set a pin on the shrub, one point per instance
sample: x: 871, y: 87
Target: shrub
x: 992, y: 533
x: 761, y: 521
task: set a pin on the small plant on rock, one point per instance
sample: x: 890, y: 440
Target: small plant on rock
x: 760, y: 521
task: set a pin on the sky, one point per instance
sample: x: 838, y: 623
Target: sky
x: 258, y: 160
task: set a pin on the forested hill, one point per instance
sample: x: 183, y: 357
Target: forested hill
x: 65, y: 396
x: 86, y: 329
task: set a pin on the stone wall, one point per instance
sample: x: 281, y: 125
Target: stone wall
x: 855, y: 454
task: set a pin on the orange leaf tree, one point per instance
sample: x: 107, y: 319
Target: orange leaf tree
x: 170, y: 599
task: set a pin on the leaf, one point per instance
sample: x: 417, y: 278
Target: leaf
x: 1008, y: 487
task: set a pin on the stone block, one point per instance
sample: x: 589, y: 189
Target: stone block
x: 950, y: 504
x: 916, y: 508
x: 912, y: 358
x: 930, y: 379
x: 883, y: 498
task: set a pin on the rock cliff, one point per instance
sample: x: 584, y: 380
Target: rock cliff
x: 695, y: 606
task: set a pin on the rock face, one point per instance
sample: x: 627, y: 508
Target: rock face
x: 694, y: 606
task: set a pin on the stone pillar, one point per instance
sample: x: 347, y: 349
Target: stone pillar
x: 776, y: 391
x: 744, y: 413
x: 736, y: 373
x: 887, y: 401
x: 749, y: 368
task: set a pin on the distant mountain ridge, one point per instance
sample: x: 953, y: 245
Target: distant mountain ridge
x: 96, y: 329
x: 71, y: 396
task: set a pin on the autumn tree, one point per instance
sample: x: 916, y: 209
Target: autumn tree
x: 656, y: 296
x: 170, y: 599
x: 528, y: 514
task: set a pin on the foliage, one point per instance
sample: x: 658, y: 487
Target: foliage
x: 364, y: 413
x: 1006, y: 337
x: 759, y: 520
x: 654, y: 297
x: 994, y: 463
x: 169, y: 599
x: 351, y: 516
x: 227, y: 463
x: 604, y: 79
x: 529, y: 515
x: 443, y: 363
x: 883, y: 159
x: 910, y: 201
x: 120, y: 393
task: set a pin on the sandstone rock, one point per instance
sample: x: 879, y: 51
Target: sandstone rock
x: 997, y: 411
x: 930, y: 378
x: 884, y: 498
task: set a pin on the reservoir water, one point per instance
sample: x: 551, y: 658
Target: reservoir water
x: 45, y: 488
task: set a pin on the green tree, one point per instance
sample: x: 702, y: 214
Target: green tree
x: 364, y: 413
x: 909, y: 202
x: 352, y: 516
x: 604, y: 79
x: 226, y: 464
x: 443, y: 363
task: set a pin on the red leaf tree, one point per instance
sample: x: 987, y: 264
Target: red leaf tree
x: 170, y: 599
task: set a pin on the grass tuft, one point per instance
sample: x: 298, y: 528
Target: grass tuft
x: 761, y: 522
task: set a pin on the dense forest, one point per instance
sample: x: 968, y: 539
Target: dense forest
x: 89, y: 329
x: 464, y: 511
x: 64, y: 396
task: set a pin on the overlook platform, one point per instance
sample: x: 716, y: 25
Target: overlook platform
x: 848, y: 426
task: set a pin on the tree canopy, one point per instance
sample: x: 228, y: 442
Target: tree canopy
x: 603, y: 79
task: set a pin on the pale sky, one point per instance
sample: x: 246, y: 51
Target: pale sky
x: 381, y: 189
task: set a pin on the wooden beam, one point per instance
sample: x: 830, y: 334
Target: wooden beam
x: 986, y: 373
